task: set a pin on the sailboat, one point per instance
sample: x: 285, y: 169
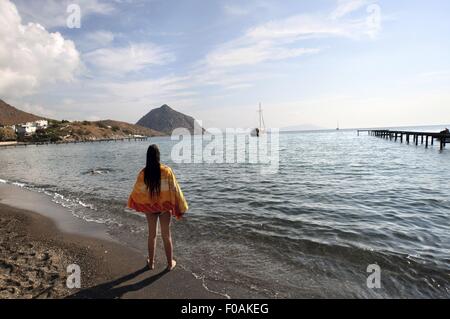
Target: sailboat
x: 261, y: 128
x: 337, y: 128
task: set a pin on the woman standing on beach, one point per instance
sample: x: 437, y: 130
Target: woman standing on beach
x: 157, y: 194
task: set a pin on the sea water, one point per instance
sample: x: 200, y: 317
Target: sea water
x: 338, y: 204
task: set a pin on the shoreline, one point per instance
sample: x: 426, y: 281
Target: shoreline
x: 105, y: 140
x: 35, y: 253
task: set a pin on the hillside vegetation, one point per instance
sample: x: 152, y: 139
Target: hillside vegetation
x: 89, y: 131
x: 9, y: 115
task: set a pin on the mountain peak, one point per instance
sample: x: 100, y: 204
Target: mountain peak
x: 165, y: 106
x: 165, y: 119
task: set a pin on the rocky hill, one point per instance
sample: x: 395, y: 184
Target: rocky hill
x: 88, y: 131
x: 165, y: 119
x: 68, y: 131
x: 9, y: 115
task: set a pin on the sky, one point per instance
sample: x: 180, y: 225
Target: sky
x: 310, y: 63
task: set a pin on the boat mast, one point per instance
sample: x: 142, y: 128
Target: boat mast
x: 260, y: 115
x: 261, y: 118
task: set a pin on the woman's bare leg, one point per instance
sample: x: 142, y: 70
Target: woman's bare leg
x: 152, y: 220
x: 164, y: 220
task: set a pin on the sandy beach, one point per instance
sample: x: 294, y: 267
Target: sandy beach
x: 35, y: 253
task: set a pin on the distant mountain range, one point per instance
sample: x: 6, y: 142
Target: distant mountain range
x: 302, y: 127
x: 9, y: 115
x: 165, y: 119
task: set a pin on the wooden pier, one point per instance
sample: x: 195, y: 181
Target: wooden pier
x: 426, y: 138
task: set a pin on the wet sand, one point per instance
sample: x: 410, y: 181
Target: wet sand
x: 35, y: 253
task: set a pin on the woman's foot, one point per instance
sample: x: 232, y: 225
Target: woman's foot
x: 171, y: 265
x: 150, y: 265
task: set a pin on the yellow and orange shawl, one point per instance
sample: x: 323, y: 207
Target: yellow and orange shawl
x: 170, y: 200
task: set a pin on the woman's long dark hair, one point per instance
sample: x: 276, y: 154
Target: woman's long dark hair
x: 152, y: 171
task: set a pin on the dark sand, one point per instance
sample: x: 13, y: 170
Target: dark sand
x: 34, y: 255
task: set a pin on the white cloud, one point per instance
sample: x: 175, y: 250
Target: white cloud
x: 53, y: 13
x: 296, y: 27
x: 124, y: 99
x: 346, y: 7
x: 232, y: 65
x: 248, y: 7
x: 282, y: 39
x: 301, y: 27
x: 154, y: 88
x: 235, y: 10
x: 33, y: 108
x: 30, y: 56
x: 131, y: 58
x: 270, y: 42
x: 97, y: 39
x: 255, y: 54
x: 94, y: 40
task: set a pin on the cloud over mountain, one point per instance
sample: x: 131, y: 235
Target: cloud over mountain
x: 30, y: 56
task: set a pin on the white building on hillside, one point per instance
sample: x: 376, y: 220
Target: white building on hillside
x: 30, y: 128
x: 26, y: 129
x: 42, y: 124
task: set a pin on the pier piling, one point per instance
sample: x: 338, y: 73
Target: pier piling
x: 425, y: 137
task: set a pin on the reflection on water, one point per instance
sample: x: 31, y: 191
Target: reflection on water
x: 338, y: 203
